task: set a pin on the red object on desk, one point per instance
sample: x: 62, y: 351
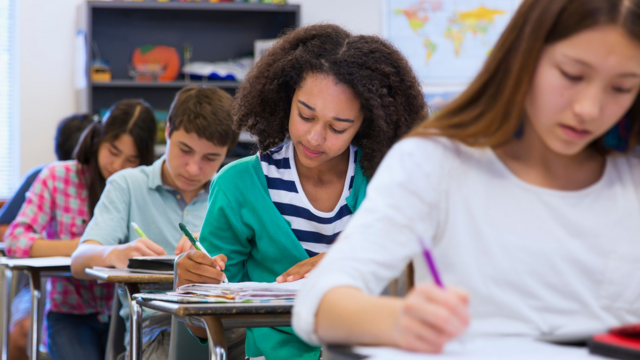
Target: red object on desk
x: 619, y: 343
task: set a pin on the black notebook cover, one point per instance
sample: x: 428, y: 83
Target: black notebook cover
x: 152, y: 263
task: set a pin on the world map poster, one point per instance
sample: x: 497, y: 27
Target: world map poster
x: 446, y: 41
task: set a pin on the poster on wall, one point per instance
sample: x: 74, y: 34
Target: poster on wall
x: 437, y: 97
x: 446, y: 41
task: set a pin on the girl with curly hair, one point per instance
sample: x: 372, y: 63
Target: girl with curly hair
x: 338, y: 102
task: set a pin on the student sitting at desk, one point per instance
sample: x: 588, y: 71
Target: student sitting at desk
x: 339, y: 101
x: 58, y: 206
x: 521, y: 188
x: 174, y: 189
x: 67, y: 135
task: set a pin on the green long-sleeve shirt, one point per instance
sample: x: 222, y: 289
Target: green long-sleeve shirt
x: 243, y: 223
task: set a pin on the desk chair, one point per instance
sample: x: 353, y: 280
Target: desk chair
x: 183, y: 345
x: 403, y: 284
x: 117, y: 328
x: 11, y: 284
x: 43, y: 354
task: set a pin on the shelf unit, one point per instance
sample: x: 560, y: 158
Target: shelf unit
x: 216, y: 32
x: 172, y: 85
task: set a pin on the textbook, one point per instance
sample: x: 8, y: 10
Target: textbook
x: 244, y: 292
x: 152, y: 264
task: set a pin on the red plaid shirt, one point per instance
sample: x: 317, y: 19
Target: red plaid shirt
x: 56, y: 207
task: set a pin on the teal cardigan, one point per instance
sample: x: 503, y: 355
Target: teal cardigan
x: 243, y: 223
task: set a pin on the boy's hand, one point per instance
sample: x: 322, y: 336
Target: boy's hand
x: 120, y: 254
x: 198, y: 268
x: 300, y: 270
x: 430, y: 317
x: 185, y: 245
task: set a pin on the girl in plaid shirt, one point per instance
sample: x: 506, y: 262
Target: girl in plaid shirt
x: 60, y: 204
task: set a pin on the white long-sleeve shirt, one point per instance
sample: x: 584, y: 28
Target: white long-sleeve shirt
x: 534, y: 260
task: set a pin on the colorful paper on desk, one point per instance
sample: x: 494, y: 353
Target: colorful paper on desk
x: 239, y: 292
x: 489, y: 348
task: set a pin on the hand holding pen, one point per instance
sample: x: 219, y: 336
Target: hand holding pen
x: 431, y: 315
x: 220, y: 263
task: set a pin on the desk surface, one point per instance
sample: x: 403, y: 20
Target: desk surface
x: 220, y: 309
x: 43, y: 264
x: 125, y: 276
x: 474, y: 348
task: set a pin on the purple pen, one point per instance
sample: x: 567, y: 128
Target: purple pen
x: 432, y: 266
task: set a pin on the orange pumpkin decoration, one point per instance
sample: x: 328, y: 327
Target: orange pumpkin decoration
x: 157, y: 55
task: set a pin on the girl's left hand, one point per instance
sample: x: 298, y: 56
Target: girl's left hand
x: 300, y: 270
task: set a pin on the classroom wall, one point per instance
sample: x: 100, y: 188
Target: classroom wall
x: 46, y: 38
x: 360, y: 16
x: 46, y: 50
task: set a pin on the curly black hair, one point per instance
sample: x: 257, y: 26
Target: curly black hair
x: 389, y: 93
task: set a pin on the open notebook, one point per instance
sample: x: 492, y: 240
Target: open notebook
x: 244, y: 292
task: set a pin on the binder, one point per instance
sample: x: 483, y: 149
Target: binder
x: 152, y: 263
x: 619, y: 343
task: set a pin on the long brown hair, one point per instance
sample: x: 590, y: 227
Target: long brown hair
x: 133, y: 117
x: 490, y: 111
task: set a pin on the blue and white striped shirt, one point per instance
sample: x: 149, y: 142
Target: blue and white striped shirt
x: 316, y: 230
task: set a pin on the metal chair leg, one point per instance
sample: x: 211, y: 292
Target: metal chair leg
x: 34, y: 329
x: 217, y: 341
x: 135, y: 346
x: 5, y: 304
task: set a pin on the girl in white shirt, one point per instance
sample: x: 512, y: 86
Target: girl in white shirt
x: 520, y: 187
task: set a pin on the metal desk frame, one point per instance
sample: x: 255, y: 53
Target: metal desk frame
x: 35, y: 275
x: 131, y: 282
x: 216, y: 317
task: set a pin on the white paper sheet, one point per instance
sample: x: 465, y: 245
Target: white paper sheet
x: 495, y: 348
x: 38, y: 262
x: 164, y: 257
x: 112, y: 271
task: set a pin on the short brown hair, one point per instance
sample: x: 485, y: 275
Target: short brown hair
x: 491, y: 110
x: 205, y: 111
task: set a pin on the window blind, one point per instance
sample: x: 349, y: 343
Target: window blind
x: 9, y: 131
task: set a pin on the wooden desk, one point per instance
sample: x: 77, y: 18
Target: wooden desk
x: 132, y: 282
x: 216, y: 317
x: 128, y: 277
x: 36, y: 269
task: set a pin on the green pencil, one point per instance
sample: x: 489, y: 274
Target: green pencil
x: 138, y: 230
